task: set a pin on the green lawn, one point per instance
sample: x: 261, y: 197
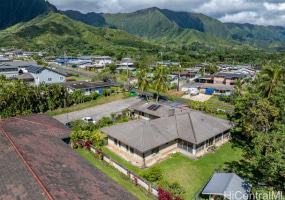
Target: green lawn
x: 88, y: 104
x: 216, y: 103
x: 114, y: 175
x: 191, y: 174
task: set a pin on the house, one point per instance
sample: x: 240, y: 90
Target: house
x: 9, y: 70
x: 125, y: 63
x: 36, y: 163
x: 99, y: 60
x: 227, y: 186
x: 208, y: 88
x: 168, y: 64
x: 227, y: 78
x: 185, y: 74
x: 42, y: 74
x: 146, y: 142
x: 86, y: 87
x: 80, y: 63
x: 64, y: 60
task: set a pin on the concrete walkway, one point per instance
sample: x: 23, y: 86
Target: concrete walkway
x: 97, y: 112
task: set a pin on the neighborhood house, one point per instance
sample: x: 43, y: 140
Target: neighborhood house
x: 145, y: 142
x: 86, y: 87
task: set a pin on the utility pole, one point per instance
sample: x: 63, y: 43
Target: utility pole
x: 128, y: 83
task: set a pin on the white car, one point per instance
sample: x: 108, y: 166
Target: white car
x: 89, y: 120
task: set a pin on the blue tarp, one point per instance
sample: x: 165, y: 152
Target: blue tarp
x: 209, y: 91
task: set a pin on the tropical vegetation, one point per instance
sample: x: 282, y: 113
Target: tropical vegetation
x: 260, y: 129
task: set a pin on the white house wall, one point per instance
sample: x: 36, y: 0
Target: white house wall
x: 48, y: 76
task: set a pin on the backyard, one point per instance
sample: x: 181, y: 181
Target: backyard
x: 191, y: 174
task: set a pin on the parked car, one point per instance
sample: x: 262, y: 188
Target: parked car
x: 89, y: 120
x: 68, y: 124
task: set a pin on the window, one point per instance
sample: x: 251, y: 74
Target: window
x: 61, y: 78
x: 119, y: 144
x: 49, y: 79
x: 127, y: 147
x: 115, y: 141
x: 155, y: 150
x: 131, y: 150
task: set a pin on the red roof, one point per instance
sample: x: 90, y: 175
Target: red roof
x: 36, y: 164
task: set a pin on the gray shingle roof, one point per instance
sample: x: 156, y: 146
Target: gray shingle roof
x: 227, y: 184
x: 193, y: 126
x: 163, y: 111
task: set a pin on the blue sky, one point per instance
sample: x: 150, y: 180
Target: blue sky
x: 261, y: 12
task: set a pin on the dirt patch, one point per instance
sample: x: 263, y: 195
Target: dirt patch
x: 175, y: 93
x: 200, y: 97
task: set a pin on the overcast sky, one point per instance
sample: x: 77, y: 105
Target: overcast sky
x: 262, y: 12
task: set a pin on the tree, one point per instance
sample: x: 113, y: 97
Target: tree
x: 160, y: 80
x: 238, y: 87
x: 143, y: 81
x: 261, y: 133
x: 270, y: 77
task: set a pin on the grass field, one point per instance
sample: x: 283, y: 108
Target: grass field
x: 114, y: 175
x: 191, y: 174
x: 88, y: 104
x: 216, y: 103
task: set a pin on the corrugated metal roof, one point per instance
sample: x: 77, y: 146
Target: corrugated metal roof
x: 229, y: 185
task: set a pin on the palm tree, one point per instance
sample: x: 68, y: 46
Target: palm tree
x: 160, y: 80
x: 143, y: 81
x: 238, y: 86
x: 269, y: 78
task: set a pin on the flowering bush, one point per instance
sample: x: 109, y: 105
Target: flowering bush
x: 136, y: 181
x: 100, y: 155
x: 164, y: 195
x: 87, y: 144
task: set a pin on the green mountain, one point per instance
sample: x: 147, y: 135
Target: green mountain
x: 163, y: 26
x: 15, y: 11
x: 57, y: 31
x: 263, y: 36
x: 183, y: 28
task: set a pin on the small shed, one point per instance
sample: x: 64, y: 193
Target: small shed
x: 227, y: 186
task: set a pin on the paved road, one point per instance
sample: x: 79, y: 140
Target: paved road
x: 98, y: 112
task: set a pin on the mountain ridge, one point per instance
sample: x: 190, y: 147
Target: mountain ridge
x: 15, y: 11
x: 172, y: 25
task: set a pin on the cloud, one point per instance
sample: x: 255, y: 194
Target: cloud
x: 262, y: 12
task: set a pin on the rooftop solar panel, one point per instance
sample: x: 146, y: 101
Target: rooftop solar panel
x: 157, y: 107
x: 151, y: 107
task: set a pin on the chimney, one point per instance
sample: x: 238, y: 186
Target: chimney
x: 171, y: 112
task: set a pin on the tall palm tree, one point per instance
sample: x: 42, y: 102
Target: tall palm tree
x: 143, y: 81
x: 238, y: 86
x: 160, y: 80
x: 270, y: 77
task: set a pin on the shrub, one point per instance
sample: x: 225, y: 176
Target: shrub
x: 153, y: 174
x: 127, y: 95
x: 71, y: 79
x: 175, y: 189
x: 164, y: 195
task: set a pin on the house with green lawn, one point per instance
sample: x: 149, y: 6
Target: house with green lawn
x: 144, y: 143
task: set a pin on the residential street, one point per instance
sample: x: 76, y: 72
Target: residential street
x: 98, y: 112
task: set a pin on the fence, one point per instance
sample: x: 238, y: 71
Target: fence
x: 198, y: 194
x: 131, y: 175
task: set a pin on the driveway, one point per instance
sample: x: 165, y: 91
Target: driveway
x: 97, y: 112
x: 200, y: 97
